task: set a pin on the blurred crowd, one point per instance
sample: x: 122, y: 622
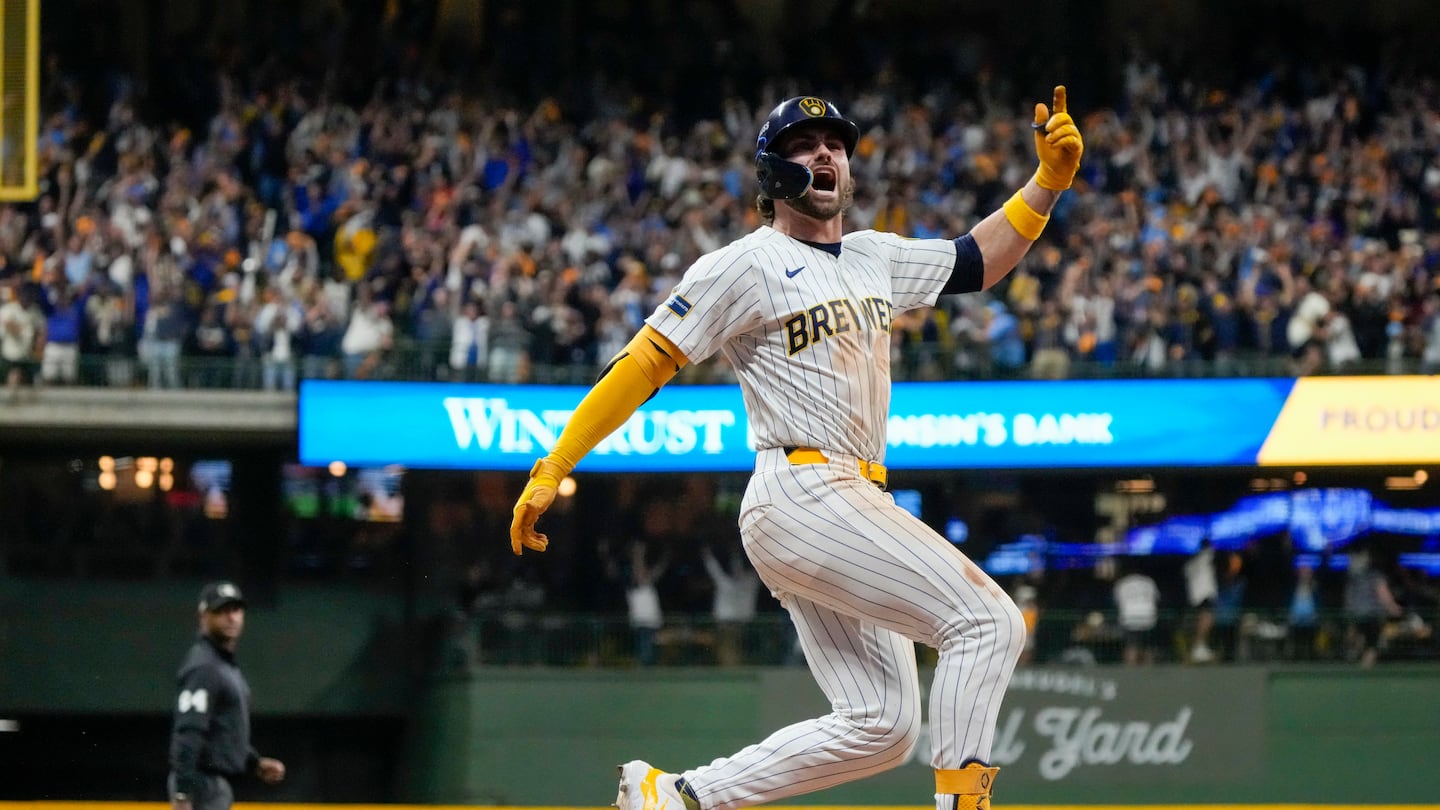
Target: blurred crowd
x: 648, y: 570
x: 1285, y: 225
x: 665, y: 582
x: 1259, y: 602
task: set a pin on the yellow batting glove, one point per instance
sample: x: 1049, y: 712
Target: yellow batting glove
x: 1058, y: 144
x: 545, y: 476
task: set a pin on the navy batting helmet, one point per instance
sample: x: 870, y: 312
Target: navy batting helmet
x: 781, y: 179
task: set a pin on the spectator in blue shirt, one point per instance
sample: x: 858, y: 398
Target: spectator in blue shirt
x: 1007, y: 348
x: 64, y: 324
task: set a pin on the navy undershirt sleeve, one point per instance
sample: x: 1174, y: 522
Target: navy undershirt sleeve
x: 969, y: 273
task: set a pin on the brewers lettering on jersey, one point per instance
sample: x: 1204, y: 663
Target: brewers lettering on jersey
x: 802, y: 311
x: 812, y: 351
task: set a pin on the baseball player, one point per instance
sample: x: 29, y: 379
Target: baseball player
x: 802, y: 311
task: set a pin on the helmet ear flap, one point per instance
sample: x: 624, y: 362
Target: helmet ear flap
x: 782, y: 179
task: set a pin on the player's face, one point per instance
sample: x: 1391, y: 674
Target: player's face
x: 226, y: 623
x: 823, y: 151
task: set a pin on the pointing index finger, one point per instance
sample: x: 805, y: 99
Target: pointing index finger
x: 1059, y: 105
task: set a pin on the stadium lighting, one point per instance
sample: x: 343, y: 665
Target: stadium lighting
x: 566, y: 488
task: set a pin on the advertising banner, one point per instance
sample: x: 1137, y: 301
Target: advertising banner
x: 960, y: 425
x: 1127, y: 726
x: 1066, y: 728
x: 506, y: 427
x: 1357, y: 420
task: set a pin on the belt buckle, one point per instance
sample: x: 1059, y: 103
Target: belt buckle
x: 874, y: 473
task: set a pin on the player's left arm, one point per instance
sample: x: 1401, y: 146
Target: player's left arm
x: 1003, y: 237
x: 648, y: 362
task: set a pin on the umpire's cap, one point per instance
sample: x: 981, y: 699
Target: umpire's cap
x: 781, y: 179
x: 217, y: 595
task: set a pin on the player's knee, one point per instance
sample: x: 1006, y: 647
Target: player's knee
x: 999, y: 629
x: 1009, y: 627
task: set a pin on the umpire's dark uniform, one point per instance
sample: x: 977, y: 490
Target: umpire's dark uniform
x: 210, y: 737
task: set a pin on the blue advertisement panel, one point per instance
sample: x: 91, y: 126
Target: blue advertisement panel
x: 507, y: 427
x: 1082, y: 423
x: 1010, y: 425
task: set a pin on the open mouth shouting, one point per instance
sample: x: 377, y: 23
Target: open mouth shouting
x: 826, y: 178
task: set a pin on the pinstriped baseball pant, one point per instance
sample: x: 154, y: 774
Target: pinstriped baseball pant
x: 863, y: 579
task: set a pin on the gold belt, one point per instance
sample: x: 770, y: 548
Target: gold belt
x: 873, y: 471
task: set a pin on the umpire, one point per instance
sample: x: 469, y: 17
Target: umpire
x: 210, y: 738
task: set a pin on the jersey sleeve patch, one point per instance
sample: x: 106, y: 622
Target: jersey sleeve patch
x: 678, y: 305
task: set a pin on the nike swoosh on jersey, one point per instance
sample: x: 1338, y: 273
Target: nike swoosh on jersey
x: 795, y: 272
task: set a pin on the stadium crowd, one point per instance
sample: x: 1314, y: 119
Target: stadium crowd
x: 1281, y: 224
x: 1284, y: 225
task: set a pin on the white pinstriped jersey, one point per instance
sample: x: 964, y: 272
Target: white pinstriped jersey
x: 807, y: 332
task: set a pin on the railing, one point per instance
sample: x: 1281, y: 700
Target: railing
x: 412, y: 360
x: 1061, y: 637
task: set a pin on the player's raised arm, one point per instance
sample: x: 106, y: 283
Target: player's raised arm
x: 648, y: 362
x: 1005, y: 235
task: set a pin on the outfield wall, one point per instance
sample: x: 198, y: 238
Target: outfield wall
x: 1093, y: 736
x: 88, y: 674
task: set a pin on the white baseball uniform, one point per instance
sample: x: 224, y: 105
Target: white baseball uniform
x: 807, y: 330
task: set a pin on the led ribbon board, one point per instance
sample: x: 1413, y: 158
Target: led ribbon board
x: 960, y: 425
